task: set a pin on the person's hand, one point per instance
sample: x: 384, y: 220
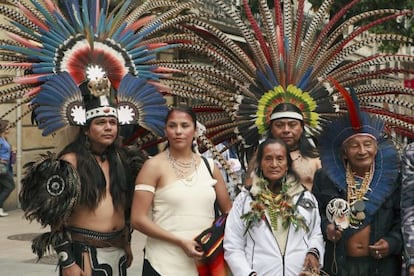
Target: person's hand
x: 333, y: 233
x: 192, y: 249
x: 129, y: 255
x: 311, y: 264
x: 411, y: 270
x: 73, y: 270
x: 380, y: 249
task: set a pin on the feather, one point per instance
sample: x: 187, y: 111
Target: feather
x: 289, y: 57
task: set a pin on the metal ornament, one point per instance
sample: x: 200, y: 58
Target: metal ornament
x: 338, y: 212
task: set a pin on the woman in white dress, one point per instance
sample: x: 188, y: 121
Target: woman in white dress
x: 177, y: 187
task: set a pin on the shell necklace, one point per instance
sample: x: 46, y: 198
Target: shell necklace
x: 356, y: 194
x: 184, y: 171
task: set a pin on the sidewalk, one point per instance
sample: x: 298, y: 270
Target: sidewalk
x: 16, y: 257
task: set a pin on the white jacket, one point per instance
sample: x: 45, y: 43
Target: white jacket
x: 258, y: 251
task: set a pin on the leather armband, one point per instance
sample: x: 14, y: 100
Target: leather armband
x: 65, y: 253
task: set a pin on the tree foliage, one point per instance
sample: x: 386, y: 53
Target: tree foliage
x: 403, y: 25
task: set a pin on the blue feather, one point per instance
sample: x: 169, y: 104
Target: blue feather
x: 77, y: 19
x: 262, y: 78
x: 305, y: 79
x: 49, y: 48
x: 131, y: 45
x: 46, y: 97
x: 145, y: 67
x: 50, y: 128
x: 163, y: 48
x: 47, y: 114
x: 122, y: 10
x: 149, y: 29
x: 43, y: 58
x: 92, y: 14
x: 72, y: 8
x: 148, y: 75
x: 157, y: 111
x: 126, y: 38
x: 109, y: 24
x: 128, y: 83
x: 85, y: 14
x: 101, y: 23
x: 42, y: 10
x: 141, y: 50
x: 53, y: 44
x: 57, y: 37
x: 272, y: 76
x: 64, y: 23
x: 117, y: 33
x: 41, y: 68
x: 144, y: 59
x: 149, y: 91
x: 25, y: 30
x: 21, y: 50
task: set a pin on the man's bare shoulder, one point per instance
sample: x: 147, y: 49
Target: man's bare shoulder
x: 70, y: 157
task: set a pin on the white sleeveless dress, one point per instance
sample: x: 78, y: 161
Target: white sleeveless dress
x: 184, y: 208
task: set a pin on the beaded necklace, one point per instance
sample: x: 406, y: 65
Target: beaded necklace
x: 356, y: 191
x: 183, y: 170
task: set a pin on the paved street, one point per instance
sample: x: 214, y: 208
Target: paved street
x: 16, y: 257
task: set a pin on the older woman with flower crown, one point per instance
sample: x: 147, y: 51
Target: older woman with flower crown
x: 274, y: 228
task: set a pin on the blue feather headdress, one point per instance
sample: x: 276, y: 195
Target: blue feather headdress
x: 337, y: 132
x: 62, y: 48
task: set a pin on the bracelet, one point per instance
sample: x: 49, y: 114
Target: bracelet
x: 65, y: 254
x: 314, y: 252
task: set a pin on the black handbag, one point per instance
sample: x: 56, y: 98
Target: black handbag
x: 211, y: 239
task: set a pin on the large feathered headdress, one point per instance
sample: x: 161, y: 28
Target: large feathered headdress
x: 74, y: 62
x: 62, y: 54
x: 288, y: 54
x: 335, y: 134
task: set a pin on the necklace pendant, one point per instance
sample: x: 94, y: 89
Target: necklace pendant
x: 360, y: 216
x: 358, y: 206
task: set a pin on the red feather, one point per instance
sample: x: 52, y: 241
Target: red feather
x: 258, y: 32
x: 353, y: 112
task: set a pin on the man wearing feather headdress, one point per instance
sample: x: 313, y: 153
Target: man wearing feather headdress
x: 287, y: 123
x: 358, y: 190
x: 89, y: 65
x: 84, y: 193
x: 97, y: 225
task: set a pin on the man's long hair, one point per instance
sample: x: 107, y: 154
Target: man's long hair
x: 92, y: 178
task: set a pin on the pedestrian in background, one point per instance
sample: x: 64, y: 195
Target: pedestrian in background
x: 7, y: 184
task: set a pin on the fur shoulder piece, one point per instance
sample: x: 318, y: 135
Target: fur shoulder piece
x: 50, y: 189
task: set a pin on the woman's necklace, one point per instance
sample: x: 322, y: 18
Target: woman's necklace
x: 184, y: 171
